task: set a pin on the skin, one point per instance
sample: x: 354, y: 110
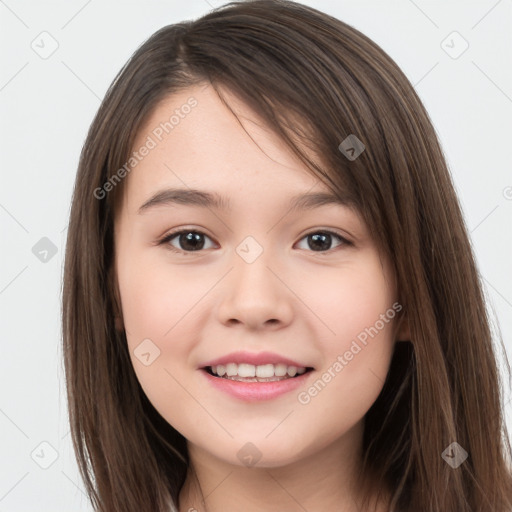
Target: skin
x: 305, y: 304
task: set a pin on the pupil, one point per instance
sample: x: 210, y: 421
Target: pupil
x: 191, y: 241
x: 320, y: 241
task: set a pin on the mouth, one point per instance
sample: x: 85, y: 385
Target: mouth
x: 250, y: 383
x: 249, y: 373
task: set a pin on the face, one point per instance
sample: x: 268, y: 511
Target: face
x: 249, y: 274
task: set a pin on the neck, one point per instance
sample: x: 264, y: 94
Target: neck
x: 322, y: 480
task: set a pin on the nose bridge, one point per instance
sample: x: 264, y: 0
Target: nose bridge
x: 254, y: 294
x: 252, y: 264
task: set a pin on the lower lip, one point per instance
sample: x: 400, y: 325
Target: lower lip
x: 257, y: 391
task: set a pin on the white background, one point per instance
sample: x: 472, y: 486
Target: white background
x: 47, y: 106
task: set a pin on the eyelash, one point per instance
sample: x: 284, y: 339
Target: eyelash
x: 173, y: 234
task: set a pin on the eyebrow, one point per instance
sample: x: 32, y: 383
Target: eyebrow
x: 203, y: 199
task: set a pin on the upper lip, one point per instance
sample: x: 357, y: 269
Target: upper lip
x: 256, y: 359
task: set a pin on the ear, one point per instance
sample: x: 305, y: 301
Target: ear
x: 119, y: 324
x: 403, y: 332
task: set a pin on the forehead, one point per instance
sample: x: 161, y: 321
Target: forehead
x: 192, y: 140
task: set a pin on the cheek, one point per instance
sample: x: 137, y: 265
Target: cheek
x: 155, y: 298
x: 349, y: 301
x: 357, y: 307
x: 156, y: 305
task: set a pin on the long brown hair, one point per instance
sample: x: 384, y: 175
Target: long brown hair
x: 315, y: 80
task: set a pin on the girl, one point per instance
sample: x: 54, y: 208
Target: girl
x: 270, y: 300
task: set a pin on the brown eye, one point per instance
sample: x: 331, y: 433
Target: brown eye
x: 188, y: 240
x: 321, y: 241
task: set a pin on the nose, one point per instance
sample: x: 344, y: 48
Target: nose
x: 255, y: 295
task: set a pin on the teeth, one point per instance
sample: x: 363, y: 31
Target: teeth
x: 264, y: 371
x: 280, y: 370
x: 267, y: 370
x: 219, y: 369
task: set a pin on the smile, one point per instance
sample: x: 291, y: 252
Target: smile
x: 245, y: 372
x: 254, y: 389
